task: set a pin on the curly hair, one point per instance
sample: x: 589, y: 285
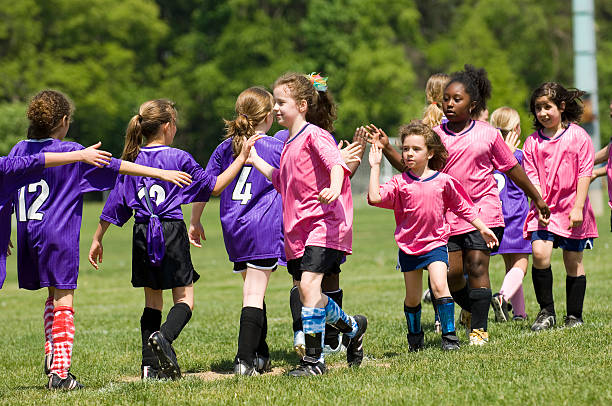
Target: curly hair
x: 557, y: 94
x: 477, y: 85
x: 433, y: 142
x: 46, y: 112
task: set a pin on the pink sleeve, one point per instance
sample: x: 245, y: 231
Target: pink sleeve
x: 388, y: 194
x: 323, y: 146
x: 503, y: 159
x: 586, y: 157
x: 458, y: 201
x: 276, y: 179
x: 529, y: 161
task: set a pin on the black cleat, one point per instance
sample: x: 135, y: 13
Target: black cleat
x: 262, y: 364
x: 309, y: 367
x: 450, y: 342
x: 573, y: 321
x: 354, y: 346
x: 500, y: 308
x: 68, y: 383
x: 416, y: 342
x: 241, y: 367
x: 544, y: 321
x: 149, y: 372
x: 165, y: 354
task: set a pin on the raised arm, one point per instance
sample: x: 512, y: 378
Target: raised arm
x: 262, y: 166
x: 374, y: 187
x: 177, y: 177
x: 227, y: 176
x: 90, y: 155
x: 378, y: 136
x: 601, y: 156
x: 96, y: 250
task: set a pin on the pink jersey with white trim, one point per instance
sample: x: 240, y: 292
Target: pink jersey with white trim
x: 419, y: 206
x: 305, y: 166
x: 473, y: 155
x: 609, y: 175
x: 555, y: 164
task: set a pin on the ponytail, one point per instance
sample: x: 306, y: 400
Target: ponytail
x: 432, y: 116
x: 434, y: 94
x: 322, y: 112
x: 252, y: 107
x: 133, y: 139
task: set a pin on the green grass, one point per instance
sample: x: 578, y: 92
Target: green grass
x: 517, y: 367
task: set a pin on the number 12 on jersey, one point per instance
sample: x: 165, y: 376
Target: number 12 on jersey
x: 242, y: 190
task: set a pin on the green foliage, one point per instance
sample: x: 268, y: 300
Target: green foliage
x: 13, y: 125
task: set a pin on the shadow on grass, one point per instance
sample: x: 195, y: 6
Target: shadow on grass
x: 227, y: 366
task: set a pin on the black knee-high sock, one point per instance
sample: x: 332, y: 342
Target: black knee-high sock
x: 331, y: 333
x: 251, y: 323
x: 481, y: 300
x: 176, y: 320
x: 263, y: 349
x: 296, y: 308
x: 314, y: 347
x: 462, y: 298
x: 433, y: 299
x: 543, y: 287
x: 575, y: 288
x: 149, y: 323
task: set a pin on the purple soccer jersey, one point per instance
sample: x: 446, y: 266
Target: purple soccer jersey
x: 14, y: 173
x: 515, y: 209
x: 49, y: 214
x: 251, y: 209
x: 128, y: 197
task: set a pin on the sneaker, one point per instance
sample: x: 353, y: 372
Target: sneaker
x: 309, y: 367
x: 48, y: 363
x: 68, y: 383
x: 165, y: 354
x: 438, y: 327
x: 416, y: 342
x: 149, y: 372
x: 329, y: 350
x: 572, y: 321
x: 450, y: 342
x: 242, y: 367
x: 479, y: 337
x: 354, y: 346
x: 299, y: 343
x: 500, y: 307
x: 465, y: 319
x: 543, y: 321
x: 426, y: 298
x: 262, y: 364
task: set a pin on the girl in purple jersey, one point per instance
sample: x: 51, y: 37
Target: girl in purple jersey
x: 251, y: 218
x: 48, y: 224
x: 160, y: 251
x: 514, y: 248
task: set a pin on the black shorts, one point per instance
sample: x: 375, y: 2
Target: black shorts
x: 473, y: 241
x: 176, y: 269
x: 316, y: 259
x: 264, y: 264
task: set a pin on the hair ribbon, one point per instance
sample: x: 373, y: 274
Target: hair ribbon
x: 319, y: 82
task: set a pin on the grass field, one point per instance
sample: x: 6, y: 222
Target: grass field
x: 561, y: 366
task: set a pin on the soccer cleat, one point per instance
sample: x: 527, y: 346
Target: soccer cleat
x: 465, y: 319
x: 520, y: 318
x: 299, y: 343
x: 426, y: 298
x: 543, y: 321
x: 262, y: 364
x: 68, y: 383
x: 572, y: 321
x: 242, y: 367
x: 479, y: 337
x: 165, y: 354
x: 48, y: 363
x: 329, y: 350
x: 309, y: 367
x: 500, y: 308
x: 416, y: 342
x: 450, y: 342
x: 354, y: 346
x: 149, y: 372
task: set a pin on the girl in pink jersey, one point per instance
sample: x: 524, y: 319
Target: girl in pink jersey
x: 559, y: 161
x: 313, y: 181
x: 420, y: 197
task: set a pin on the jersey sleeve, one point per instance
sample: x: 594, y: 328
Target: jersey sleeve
x: 458, y: 201
x: 529, y: 161
x: 586, y: 157
x: 276, y: 179
x: 116, y: 209
x: 203, y: 182
x: 214, y: 166
x: 19, y: 171
x: 502, y: 158
x: 94, y: 179
x: 389, y: 193
x: 323, y: 146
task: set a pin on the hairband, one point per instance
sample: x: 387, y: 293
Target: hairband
x: 139, y: 118
x: 319, y: 82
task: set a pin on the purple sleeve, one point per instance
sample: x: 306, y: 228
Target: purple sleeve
x: 214, y: 166
x: 19, y: 171
x: 94, y: 179
x: 203, y: 182
x: 116, y: 210
x: 458, y: 201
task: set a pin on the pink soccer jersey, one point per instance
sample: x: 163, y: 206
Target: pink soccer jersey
x: 473, y: 155
x: 555, y: 164
x: 609, y: 175
x: 305, y: 166
x: 419, y: 206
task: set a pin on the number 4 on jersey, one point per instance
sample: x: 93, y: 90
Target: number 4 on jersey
x: 242, y: 190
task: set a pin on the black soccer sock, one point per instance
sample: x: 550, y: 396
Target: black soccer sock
x: 251, y: 323
x: 314, y: 347
x: 462, y: 298
x: 262, y: 348
x: 177, y: 319
x: 296, y: 308
x: 543, y: 287
x: 575, y: 288
x: 331, y: 333
x: 481, y: 300
x: 149, y: 323
x: 433, y: 300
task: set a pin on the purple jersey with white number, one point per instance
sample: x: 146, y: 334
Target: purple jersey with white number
x: 251, y: 209
x: 515, y: 209
x: 49, y: 214
x: 14, y: 173
x: 128, y: 198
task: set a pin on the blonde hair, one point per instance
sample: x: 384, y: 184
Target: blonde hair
x: 252, y: 107
x: 434, y: 92
x: 506, y: 119
x: 146, y: 124
x: 433, y: 142
x: 46, y: 111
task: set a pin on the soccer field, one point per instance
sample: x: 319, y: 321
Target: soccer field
x: 560, y: 366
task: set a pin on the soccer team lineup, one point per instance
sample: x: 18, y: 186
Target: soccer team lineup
x: 464, y: 192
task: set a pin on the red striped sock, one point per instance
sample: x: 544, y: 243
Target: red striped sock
x: 48, y: 323
x: 63, y: 336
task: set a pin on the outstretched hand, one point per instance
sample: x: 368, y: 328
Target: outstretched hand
x: 248, y: 144
x: 93, y: 156
x: 513, y: 140
x: 377, y: 136
x: 375, y: 155
x: 351, y: 152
